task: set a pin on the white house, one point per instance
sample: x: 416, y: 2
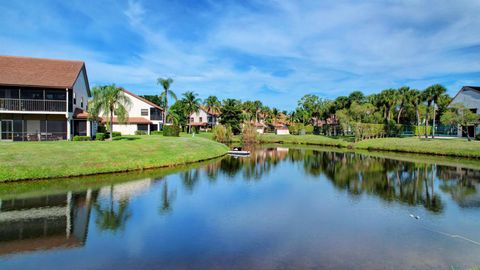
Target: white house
x: 204, y: 118
x: 469, y: 96
x: 43, y: 99
x: 142, y: 115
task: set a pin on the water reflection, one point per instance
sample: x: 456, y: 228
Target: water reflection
x: 61, y: 221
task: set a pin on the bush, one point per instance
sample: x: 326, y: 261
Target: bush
x: 156, y: 132
x: 102, y: 129
x: 249, y: 134
x: 392, y: 129
x: 100, y: 136
x: 116, y: 134
x: 81, y: 138
x: 222, y: 134
x: 296, y: 129
x: 308, y: 129
x: 367, y: 131
x: 140, y: 132
x: 477, y: 137
x: 171, y: 131
x: 420, y: 130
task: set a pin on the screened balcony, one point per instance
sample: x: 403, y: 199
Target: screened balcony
x: 40, y: 100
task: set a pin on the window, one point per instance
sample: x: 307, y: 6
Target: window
x: 200, y: 119
x: 209, y: 119
x: 142, y: 127
x: 81, y: 102
x: 74, y: 99
x: 55, y: 95
x: 192, y: 120
x: 8, y: 93
x: 144, y: 112
x: 32, y: 94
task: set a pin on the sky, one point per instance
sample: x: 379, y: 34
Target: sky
x: 275, y: 51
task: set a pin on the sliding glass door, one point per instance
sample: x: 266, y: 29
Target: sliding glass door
x: 6, y: 130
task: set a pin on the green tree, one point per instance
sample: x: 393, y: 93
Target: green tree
x: 415, y: 97
x: 388, y: 99
x: 249, y: 109
x: 258, y: 107
x: 192, y: 105
x: 403, y: 98
x: 356, y: 96
x: 109, y: 100
x: 212, y: 104
x: 166, y: 83
x: 461, y: 117
x: 431, y: 95
x: 232, y: 114
x: 154, y: 99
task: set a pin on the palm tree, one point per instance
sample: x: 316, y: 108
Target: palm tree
x: 389, y: 98
x: 249, y: 109
x: 109, y: 100
x: 212, y: 104
x: 402, y: 98
x: 192, y: 104
x: 431, y: 95
x: 258, y: 107
x: 165, y: 83
x: 415, y: 97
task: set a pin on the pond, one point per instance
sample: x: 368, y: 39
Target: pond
x: 280, y: 208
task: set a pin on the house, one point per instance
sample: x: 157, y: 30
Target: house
x: 204, y: 118
x: 43, y: 99
x: 143, y: 115
x: 469, y: 96
x: 260, y: 127
x: 280, y: 129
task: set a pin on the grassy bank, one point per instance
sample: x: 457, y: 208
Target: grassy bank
x: 36, y: 160
x: 445, y: 147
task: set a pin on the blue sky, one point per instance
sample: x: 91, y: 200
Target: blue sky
x: 275, y: 51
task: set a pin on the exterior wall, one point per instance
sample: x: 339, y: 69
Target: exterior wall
x: 128, y: 129
x: 80, y: 91
x: 204, y: 115
x: 35, y: 127
x: 260, y: 130
x: 282, y: 132
x: 136, y: 107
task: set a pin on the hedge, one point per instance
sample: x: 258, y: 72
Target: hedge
x: 141, y: 132
x: 416, y: 129
x: 81, y: 138
x: 116, y: 134
x: 172, y: 131
x: 100, y: 136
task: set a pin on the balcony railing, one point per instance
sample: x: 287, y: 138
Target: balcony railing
x: 42, y: 105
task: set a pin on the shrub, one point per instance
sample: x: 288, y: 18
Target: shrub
x: 308, y: 129
x: 171, y: 131
x: 222, y: 134
x: 420, y: 130
x: 116, y: 134
x: 100, y: 136
x: 102, y: 129
x: 249, y: 134
x: 81, y: 138
x: 156, y: 132
x: 296, y: 129
x: 392, y: 129
x: 140, y: 132
x: 477, y: 137
x: 368, y: 131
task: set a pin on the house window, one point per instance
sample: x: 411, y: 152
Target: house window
x: 74, y: 99
x: 81, y: 102
x: 192, y: 120
x: 200, y: 119
x: 209, y: 119
x: 144, y: 112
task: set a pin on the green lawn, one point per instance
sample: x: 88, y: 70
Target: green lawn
x: 449, y: 147
x: 304, y: 139
x: 31, y: 160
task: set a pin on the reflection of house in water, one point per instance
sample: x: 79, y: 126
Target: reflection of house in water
x: 43, y: 223
x: 126, y: 190
x: 463, y: 184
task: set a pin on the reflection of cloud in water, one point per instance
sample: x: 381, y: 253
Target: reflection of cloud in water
x: 127, y: 190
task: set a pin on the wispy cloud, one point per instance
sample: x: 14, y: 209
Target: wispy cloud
x: 272, y: 50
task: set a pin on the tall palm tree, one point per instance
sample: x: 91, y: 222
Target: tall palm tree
x: 431, y: 95
x: 389, y: 98
x: 258, y: 107
x: 403, y: 95
x: 249, y: 109
x: 166, y: 83
x: 109, y: 100
x: 415, y: 97
x: 192, y: 104
x: 212, y: 104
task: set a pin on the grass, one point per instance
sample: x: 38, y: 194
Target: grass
x: 304, y: 139
x: 37, y: 160
x: 444, y: 147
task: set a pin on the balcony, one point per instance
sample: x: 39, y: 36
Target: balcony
x: 38, y: 105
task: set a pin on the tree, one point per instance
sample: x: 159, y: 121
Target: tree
x: 249, y: 109
x: 415, y: 97
x: 178, y: 113
x: 388, y: 98
x: 258, y: 107
x: 154, y: 99
x: 403, y: 98
x: 166, y: 83
x: 460, y: 116
x: 212, y: 104
x: 231, y: 114
x: 192, y: 104
x: 431, y: 95
x: 109, y: 100
x: 356, y: 96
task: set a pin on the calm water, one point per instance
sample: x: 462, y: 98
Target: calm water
x: 279, y: 209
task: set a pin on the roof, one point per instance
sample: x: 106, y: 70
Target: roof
x: 209, y: 111
x: 80, y: 114
x: 39, y: 72
x: 142, y: 99
x: 198, y: 124
x: 130, y: 120
x: 474, y: 88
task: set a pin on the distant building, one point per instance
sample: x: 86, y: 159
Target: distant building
x: 43, y: 99
x: 204, y: 118
x: 142, y: 115
x: 469, y: 96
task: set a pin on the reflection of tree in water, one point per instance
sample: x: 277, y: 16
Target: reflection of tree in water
x: 167, y: 197
x: 190, y: 178
x: 112, y: 217
x: 462, y: 184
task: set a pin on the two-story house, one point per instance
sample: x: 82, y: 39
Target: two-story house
x: 43, y: 99
x: 204, y: 118
x: 469, y: 96
x: 143, y: 115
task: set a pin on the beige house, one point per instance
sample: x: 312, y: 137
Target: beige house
x: 469, y: 96
x: 204, y: 118
x: 143, y: 115
x: 43, y: 99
